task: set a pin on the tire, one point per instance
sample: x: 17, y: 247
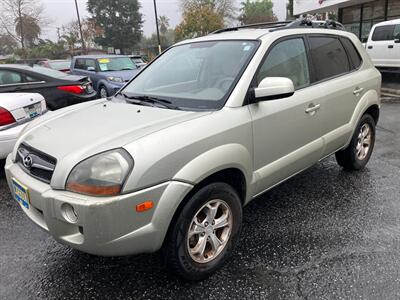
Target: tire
x: 179, y: 249
x: 351, y: 158
x: 102, y: 92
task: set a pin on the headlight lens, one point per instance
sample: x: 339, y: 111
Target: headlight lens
x: 101, y: 175
x: 115, y: 79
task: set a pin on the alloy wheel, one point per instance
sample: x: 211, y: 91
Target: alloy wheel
x: 364, y: 141
x: 209, y: 231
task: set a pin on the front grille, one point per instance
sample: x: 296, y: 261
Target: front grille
x: 36, y: 163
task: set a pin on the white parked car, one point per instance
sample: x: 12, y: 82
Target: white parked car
x: 383, y: 45
x: 16, y: 110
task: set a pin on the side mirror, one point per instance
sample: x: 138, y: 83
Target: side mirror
x: 397, y: 38
x: 271, y: 88
x: 91, y: 69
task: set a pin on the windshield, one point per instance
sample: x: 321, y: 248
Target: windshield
x: 49, y: 72
x: 116, y: 64
x: 60, y: 65
x: 197, y: 75
x: 137, y: 60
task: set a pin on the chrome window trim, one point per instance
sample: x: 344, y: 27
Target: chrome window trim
x: 22, y: 83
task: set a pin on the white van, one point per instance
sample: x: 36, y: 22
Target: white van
x: 383, y: 45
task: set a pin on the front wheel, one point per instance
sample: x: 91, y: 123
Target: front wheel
x: 205, y: 232
x: 103, y: 92
x: 358, y: 153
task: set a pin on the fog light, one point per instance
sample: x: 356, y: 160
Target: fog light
x: 69, y: 214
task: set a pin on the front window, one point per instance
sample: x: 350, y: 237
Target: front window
x: 115, y: 64
x: 196, y: 75
x: 60, y: 65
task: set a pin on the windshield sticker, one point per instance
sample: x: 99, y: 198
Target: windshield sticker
x: 103, y: 67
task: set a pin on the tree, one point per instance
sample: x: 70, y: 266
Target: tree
x: 120, y: 22
x: 21, y: 19
x: 30, y: 28
x: 71, y: 35
x: 198, y: 21
x: 7, y: 44
x: 257, y: 11
x: 224, y: 8
x: 149, y: 44
x: 163, y: 23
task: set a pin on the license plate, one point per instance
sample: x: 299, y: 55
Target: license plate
x: 33, y: 111
x: 21, y: 193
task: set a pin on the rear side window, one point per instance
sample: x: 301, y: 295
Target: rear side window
x: 287, y: 59
x: 80, y: 64
x: 329, y: 57
x: 383, y: 33
x: 354, y: 56
x: 396, y: 33
x: 9, y: 77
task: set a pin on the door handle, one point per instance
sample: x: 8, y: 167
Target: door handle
x: 357, y: 91
x: 313, y: 108
x: 390, y: 46
x: 370, y: 47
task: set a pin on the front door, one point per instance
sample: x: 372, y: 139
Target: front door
x: 380, y: 45
x: 394, y: 48
x: 287, y: 135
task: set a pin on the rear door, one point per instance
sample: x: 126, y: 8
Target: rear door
x: 10, y: 81
x: 335, y: 62
x: 380, y: 45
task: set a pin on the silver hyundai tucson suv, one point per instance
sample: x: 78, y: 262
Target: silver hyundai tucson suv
x: 171, y: 160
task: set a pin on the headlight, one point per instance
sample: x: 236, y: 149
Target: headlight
x: 115, y: 79
x: 101, y: 175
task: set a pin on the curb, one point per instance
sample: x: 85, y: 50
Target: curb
x: 391, y: 92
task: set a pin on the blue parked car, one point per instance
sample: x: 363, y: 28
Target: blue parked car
x: 107, y: 72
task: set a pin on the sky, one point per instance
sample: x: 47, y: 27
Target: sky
x: 59, y: 12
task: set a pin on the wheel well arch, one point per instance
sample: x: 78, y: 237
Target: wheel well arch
x: 232, y: 176
x: 373, y: 110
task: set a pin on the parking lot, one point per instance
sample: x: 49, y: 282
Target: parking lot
x: 326, y: 233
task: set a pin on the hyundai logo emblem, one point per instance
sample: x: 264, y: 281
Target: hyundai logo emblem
x: 28, y: 161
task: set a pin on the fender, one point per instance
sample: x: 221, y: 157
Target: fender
x: 217, y: 159
x: 101, y: 82
x: 369, y: 99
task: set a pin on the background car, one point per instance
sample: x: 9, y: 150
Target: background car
x: 16, y: 110
x: 58, y: 88
x: 62, y: 65
x: 108, y: 72
x: 383, y: 45
x: 138, y: 60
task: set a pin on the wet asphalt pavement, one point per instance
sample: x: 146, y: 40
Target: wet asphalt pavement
x: 324, y: 234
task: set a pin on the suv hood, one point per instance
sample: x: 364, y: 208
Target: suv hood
x: 76, y: 134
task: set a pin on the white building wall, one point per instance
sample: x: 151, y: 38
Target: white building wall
x: 314, y: 6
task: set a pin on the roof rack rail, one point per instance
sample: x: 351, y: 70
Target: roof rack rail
x: 328, y: 24
x: 256, y: 25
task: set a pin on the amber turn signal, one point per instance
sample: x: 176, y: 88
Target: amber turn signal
x: 144, y: 206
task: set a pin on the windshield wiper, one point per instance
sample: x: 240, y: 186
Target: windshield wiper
x: 150, y: 99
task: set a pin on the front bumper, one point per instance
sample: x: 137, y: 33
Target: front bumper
x: 105, y: 226
x: 113, y: 87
